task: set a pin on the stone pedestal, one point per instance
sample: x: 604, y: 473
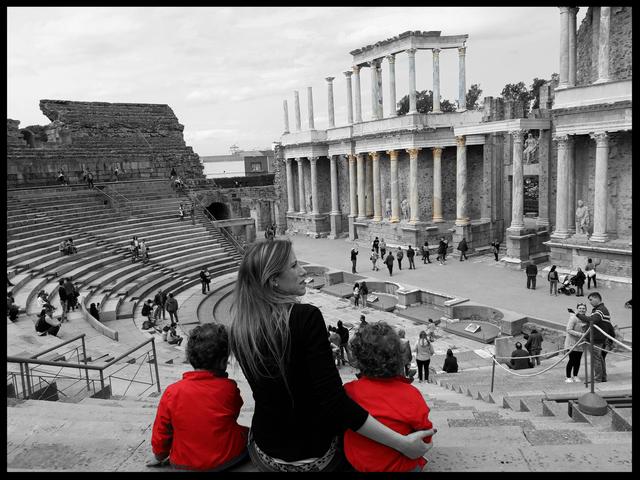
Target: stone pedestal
x: 335, y: 220
x: 352, y: 228
x: 413, y: 234
x: 459, y: 232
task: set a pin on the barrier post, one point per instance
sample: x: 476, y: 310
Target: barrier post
x: 591, y: 403
x: 493, y: 371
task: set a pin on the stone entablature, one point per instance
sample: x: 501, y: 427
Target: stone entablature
x: 596, y: 94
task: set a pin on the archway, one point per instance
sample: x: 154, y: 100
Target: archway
x: 219, y: 210
x: 29, y: 137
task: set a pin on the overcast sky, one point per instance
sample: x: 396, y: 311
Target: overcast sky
x: 226, y: 70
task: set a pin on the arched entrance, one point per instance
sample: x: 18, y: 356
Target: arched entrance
x: 29, y: 137
x: 219, y: 210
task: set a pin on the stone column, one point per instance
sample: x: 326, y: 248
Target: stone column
x: 543, y: 185
x: 436, y: 81
x: 314, y: 186
x: 392, y: 84
x: 347, y: 75
x: 353, y: 196
x: 379, y: 92
x: 356, y: 79
x: 368, y: 185
x: 562, y: 192
x: 462, y: 82
x: 600, y: 185
x: 374, y: 90
x: 517, y: 195
x: 361, y: 194
x: 564, y: 47
x: 286, y: 116
x: 291, y: 207
x: 603, y: 51
x: 461, y: 181
x: 333, y: 172
x: 571, y: 185
x: 411, y: 53
x: 572, y: 46
x: 310, y: 107
x: 301, y: 200
x: 332, y: 119
x: 437, y: 185
x: 377, y: 193
x: 414, y: 213
x: 296, y: 104
x: 395, y: 191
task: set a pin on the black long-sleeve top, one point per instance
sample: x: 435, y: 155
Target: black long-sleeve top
x: 303, y: 426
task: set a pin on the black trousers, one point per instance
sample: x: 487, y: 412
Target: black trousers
x: 573, y: 363
x: 423, y: 365
x: 589, y: 281
x: 411, y: 263
x: 531, y: 281
x: 390, y: 267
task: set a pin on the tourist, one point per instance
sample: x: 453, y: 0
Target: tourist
x: 389, y: 262
x: 90, y: 179
x: 601, y: 318
x: 520, y: 358
x: 172, y: 308
x: 552, y: 277
x: 147, y: 310
x: 431, y: 330
x: 590, y: 272
x: 345, y: 351
x: 46, y: 324
x: 411, y: 253
x: 445, y: 250
x: 71, y: 248
x: 364, y: 291
x: 204, y: 281
x: 383, y: 248
x: 192, y: 213
x: 450, y: 364
x: 12, y: 309
x: 116, y: 173
x: 181, y: 212
x: 160, y: 299
x: 70, y: 291
x: 575, y: 329
x: 424, y: 350
x: 363, y: 321
x: 463, y: 247
x: 376, y: 245
x: 531, y: 271
x: 93, y: 311
x: 442, y: 251
x: 283, y: 350
x: 578, y: 281
x: 134, y: 248
x: 62, y: 247
x: 334, y: 340
x: 62, y: 295
x: 534, y: 345
x: 384, y: 392
x: 374, y: 259
x: 173, y: 173
x: 354, y: 258
x: 43, y: 299
x: 61, y: 179
x: 172, y: 336
x: 425, y: 252
x: 356, y: 295
x: 495, y: 248
x: 144, y: 251
x: 399, y: 256
x: 406, y: 351
x: 196, y: 425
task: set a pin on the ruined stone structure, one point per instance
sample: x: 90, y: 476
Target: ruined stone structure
x: 141, y: 140
x: 485, y: 175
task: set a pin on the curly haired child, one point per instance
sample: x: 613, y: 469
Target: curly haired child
x: 383, y: 390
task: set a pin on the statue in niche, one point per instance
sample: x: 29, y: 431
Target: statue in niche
x: 582, y: 218
x: 387, y: 208
x: 404, y: 207
x: 530, y: 148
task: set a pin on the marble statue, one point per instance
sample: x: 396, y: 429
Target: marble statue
x: 530, y: 147
x: 387, y: 210
x: 404, y: 207
x: 582, y: 218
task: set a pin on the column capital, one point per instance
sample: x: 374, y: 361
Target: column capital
x: 517, y: 135
x: 391, y: 58
x: 313, y: 160
x: 574, y: 10
x: 299, y: 160
x: 348, y: 73
x: 436, y: 52
x: 601, y: 138
x: 356, y: 69
x: 411, y: 51
x: 375, y: 63
x: 374, y: 155
x: 393, y: 154
x: 329, y: 79
x: 413, y: 152
x: 350, y: 157
x: 461, y: 140
x: 561, y: 139
x: 462, y: 51
x: 437, y: 151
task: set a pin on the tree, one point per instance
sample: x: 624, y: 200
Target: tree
x: 424, y: 103
x: 535, y: 90
x: 472, y: 97
x: 517, y: 92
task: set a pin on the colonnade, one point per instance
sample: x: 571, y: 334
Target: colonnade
x: 354, y: 96
x: 365, y: 185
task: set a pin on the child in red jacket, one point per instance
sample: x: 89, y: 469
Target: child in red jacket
x: 196, y: 424
x: 386, y: 394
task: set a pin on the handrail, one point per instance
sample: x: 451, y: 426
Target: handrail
x: 125, y: 200
x: 39, y: 354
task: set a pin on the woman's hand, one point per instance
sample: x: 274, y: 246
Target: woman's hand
x: 415, y: 447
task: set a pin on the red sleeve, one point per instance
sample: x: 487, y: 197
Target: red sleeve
x: 162, y: 435
x: 421, y: 417
x: 236, y: 399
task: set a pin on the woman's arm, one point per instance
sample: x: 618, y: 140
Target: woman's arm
x: 411, y: 445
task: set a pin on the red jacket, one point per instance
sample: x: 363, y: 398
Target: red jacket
x: 196, y: 422
x: 398, y: 405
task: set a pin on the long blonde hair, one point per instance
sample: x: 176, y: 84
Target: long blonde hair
x: 259, y: 335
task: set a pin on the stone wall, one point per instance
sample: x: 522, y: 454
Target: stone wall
x: 14, y: 137
x: 620, y: 62
x: 142, y: 140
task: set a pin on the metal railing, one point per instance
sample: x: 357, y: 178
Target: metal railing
x: 118, y: 201
x: 31, y: 375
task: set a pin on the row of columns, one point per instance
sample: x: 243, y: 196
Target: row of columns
x: 600, y: 24
x: 377, y: 111
x: 365, y: 188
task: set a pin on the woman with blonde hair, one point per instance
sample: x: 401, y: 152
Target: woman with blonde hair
x: 424, y: 350
x: 301, y: 408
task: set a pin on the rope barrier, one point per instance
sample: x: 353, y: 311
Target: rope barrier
x: 611, y: 338
x: 579, y: 342
x: 612, y: 352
